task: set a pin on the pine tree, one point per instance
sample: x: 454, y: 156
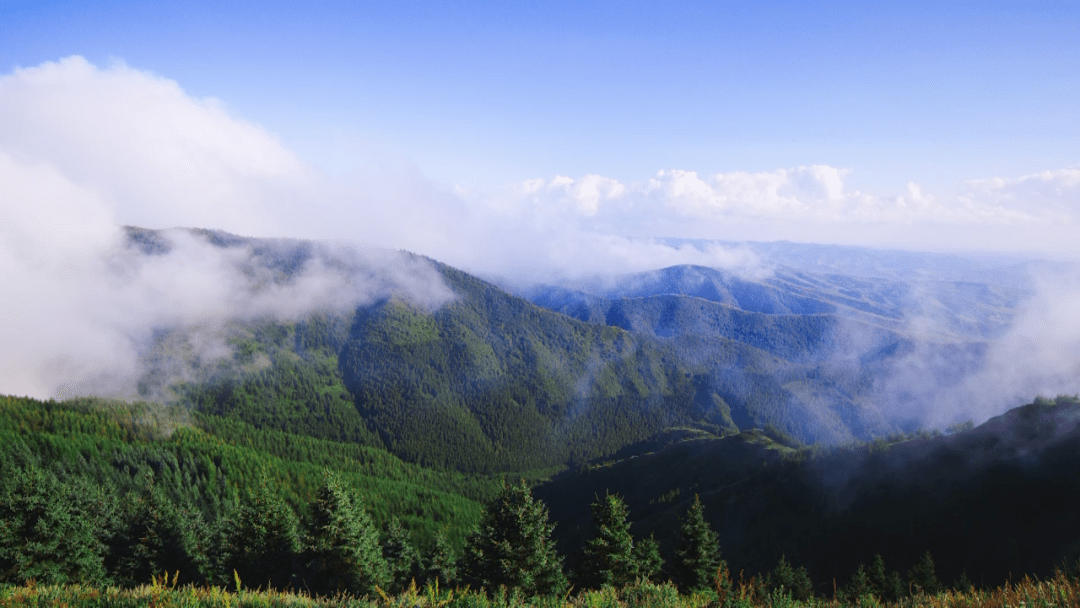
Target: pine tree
x: 698, y: 550
x: 923, y: 575
x: 159, y: 537
x: 441, y: 563
x: 512, y: 546
x: 859, y: 586
x: 401, y: 556
x: 609, y: 554
x: 964, y: 583
x: 345, y: 552
x: 51, y: 531
x: 794, y: 581
x: 647, y: 557
x: 264, y: 550
x: 888, y: 586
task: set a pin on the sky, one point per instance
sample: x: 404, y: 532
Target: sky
x: 532, y: 136
x: 522, y: 141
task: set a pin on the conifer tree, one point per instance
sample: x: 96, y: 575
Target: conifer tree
x: 888, y: 586
x: 698, y: 550
x: 647, y: 557
x: 264, y: 550
x: 401, y: 556
x: 441, y: 563
x: 923, y: 575
x: 159, y: 537
x: 51, y: 531
x: 794, y: 581
x: 512, y: 546
x: 859, y: 587
x: 345, y: 548
x: 609, y: 554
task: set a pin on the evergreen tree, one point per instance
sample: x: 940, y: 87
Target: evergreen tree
x: 513, y: 547
x: 795, y: 581
x: 647, y: 557
x: 698, y: 550
x: 859, y: 586
x: 401, y: 556
x: 345, y: 543
x: 159, y: 537
x: 923, y: 575
x: 265, y: 547
x: 888, y: 586
x: 609, y: 554
x: 964, y: 583
x: 441, y: 563
x: 51, y: 531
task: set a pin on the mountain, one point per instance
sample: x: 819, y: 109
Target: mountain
x: 478, y: 379
x: 952, y: 309
x: 1009, y: 270
x: 446, y: 369
x: 888, y: 348
x: 424, y: 385
x: 989, y: 501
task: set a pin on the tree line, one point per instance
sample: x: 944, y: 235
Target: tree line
x: 55, y: 532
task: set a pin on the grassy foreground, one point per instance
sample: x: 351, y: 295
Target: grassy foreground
x: 1058, y: 591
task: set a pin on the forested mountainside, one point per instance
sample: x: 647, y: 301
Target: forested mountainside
x: 81, y: 477
x: 419, y: 400
x: 205, y: 461
x: 988, y: 502
x: 489, y: 381
x: 112, y: 492
x: 885, y: 348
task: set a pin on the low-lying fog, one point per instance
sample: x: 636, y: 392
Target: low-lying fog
x: 85, y: 151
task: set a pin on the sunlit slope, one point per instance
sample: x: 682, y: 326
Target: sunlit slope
x: 490, y: 377
x: 209, y: 463
x: 492, y: 381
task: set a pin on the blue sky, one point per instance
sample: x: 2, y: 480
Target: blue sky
x: 736, y: 102
x: 525, y: 141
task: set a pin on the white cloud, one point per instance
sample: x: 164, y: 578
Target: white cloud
x: 157, y: 156
x: 1052, y: 196
x: 84, y: 150
x: 582, y: 196
x: 814, y: 193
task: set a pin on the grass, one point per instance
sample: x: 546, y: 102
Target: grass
x: 1057, y: 592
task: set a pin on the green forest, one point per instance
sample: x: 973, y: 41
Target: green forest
x: 103, y: 497
x: 492, y: 452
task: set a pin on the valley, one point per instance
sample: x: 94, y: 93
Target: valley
x: 793, y: 402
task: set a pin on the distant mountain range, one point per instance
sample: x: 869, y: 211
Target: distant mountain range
x: 493, y: 381
x: 1009, y: 270
x: 788, y: 397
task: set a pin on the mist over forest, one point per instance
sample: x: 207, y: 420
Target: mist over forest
x: 559, y: 304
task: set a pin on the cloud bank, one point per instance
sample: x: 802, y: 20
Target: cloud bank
x: 85, y: 150
x: 816, y: 193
